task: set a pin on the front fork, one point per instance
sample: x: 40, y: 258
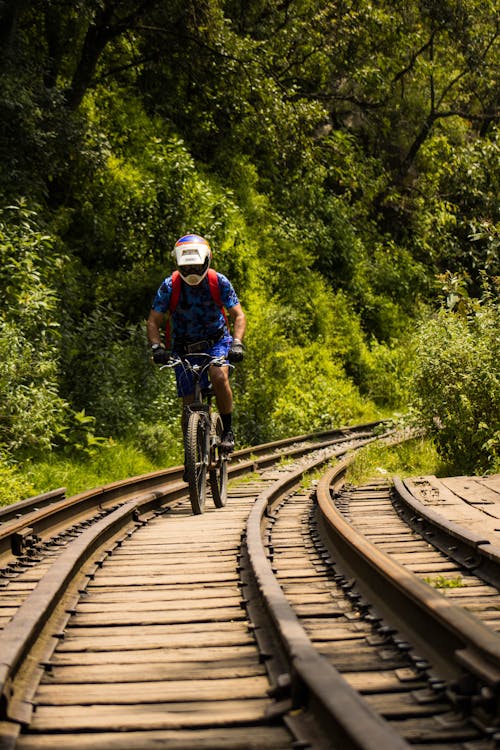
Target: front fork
x: 209, y: 447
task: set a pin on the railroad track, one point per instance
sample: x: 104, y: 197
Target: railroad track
x: 137, y: 625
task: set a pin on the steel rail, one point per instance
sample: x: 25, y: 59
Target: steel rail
x: 29, y: 622
x: 13, y: 536
x: 461, y: 648
x: 18, y: 509
x: 25, y: 522
x: 476, y: 552
x: 341, y: 432
x: 341, y: 713
x: 27, y: 625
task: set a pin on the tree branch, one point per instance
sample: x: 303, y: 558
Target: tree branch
x: 99, y: 33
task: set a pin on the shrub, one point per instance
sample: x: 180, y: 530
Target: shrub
x: 13, y: 485
x: 294, y: 389
x: 161, y: 443
x: 110, y: 375
x: 31, y: 412
x: 456, y: 384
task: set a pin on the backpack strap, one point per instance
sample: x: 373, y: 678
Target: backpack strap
x: 176, y: 291
x: 213, y: 285
x: 174, y: 301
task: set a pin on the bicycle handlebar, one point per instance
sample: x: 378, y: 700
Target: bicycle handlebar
x: 187, y: 363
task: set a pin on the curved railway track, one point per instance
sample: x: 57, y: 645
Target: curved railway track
x: 297, y: 616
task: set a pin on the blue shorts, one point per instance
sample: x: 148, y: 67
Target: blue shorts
x: 184, y: 378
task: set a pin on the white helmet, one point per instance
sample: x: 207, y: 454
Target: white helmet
x: 192, y: 255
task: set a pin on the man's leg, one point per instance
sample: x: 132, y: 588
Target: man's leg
x: 222, y: 389
x: 224, y: 398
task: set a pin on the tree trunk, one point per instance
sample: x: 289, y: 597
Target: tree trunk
x: 98, y: 34
x: 10, y: 13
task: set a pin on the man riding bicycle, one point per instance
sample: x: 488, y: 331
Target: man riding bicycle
x: 196, y: 300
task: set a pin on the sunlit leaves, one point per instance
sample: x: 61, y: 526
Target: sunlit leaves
x: 456, y: 381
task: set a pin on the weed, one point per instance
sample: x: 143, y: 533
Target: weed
x: 440, y: 582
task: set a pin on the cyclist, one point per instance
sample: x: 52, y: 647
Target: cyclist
x: 199, y: 324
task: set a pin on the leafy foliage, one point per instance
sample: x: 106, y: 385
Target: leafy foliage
x: 457, y: 384
x: 13, y: 485
x: 31, y: 411
x: 337, y: 156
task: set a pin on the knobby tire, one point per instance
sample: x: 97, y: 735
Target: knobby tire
x: 196, y: 461
x: 218, y: 467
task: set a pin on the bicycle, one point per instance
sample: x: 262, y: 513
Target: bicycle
x: 202, y: 437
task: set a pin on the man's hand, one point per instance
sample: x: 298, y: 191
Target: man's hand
x: 160, y: 354
x: 236, y: 351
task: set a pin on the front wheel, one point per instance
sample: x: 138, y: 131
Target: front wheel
x: 218, y: 464
x: 197, y: 447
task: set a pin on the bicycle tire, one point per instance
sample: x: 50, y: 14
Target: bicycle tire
x: 196, y: 461
x: 218, y: 471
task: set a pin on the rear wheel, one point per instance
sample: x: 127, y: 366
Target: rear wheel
x: 197, y: 461
x: 218, y: 465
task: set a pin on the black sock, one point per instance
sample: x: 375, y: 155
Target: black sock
x: 227, y: 421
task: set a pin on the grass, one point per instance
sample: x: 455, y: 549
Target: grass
x: 253, y: 476
x: 108, y: 464
x: 120, y: 460
x: 312, y: 477
x: 414, y: 457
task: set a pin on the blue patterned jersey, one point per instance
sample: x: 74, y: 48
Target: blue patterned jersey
x: 196, y: 316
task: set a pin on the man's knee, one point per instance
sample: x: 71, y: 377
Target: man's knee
x: 219, y: 377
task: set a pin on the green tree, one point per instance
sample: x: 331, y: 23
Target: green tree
x: 337, y: 155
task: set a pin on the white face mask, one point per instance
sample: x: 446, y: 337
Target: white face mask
x: 193, y: 279
x: 195, y: 273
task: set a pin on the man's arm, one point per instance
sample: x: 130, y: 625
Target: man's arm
x: 239, y: 321
x: 153, y: 326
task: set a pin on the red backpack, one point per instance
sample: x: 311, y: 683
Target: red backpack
x: 213, y: 284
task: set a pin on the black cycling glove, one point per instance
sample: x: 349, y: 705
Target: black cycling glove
x: 160, y: 354
x: 236, y: 351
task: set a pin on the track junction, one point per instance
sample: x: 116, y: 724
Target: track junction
x: 306, y: 613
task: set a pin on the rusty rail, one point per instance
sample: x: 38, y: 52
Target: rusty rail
x: 464, y: 650
x: 23, y: 524
x: 474, y: 551
x: 343, y: 715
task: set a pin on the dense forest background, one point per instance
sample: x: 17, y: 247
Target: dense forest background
x: 341, y: 157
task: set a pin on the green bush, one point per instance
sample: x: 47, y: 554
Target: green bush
x: 161, y: 443
x: 287, y: 389
x: 456, y: 385
x: 329, y: 400
x: 111, y: 377
x: 13, y: 485
x: 32, y: 413
x: 387, y: 370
